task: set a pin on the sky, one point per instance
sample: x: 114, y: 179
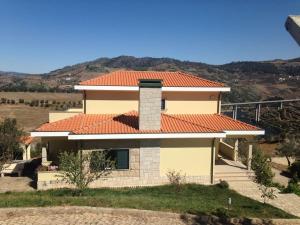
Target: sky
x: 37, y: 36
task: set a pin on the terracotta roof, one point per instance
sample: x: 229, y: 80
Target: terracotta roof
x: 26, y: 140
x: 128, y: 124
x: 169, y: 79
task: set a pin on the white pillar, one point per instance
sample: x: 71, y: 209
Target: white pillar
x: 213, y: 162
x: 249, y: 157
x: 28, y: 152
x: 236, y: 149
x: 24, y: 157
x: 44, y: 155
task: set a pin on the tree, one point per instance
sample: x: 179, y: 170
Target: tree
x: 262, y: 168
x: 81, y: 168
x: 263, y: 174
x: 267, y: 193
x: 289, y: 148
x: 10, y: 136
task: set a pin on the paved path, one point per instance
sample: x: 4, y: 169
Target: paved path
x: 280, y: 178
x: 85, y: 216
x: 15, y: 184
x: 287, y: 202
x: 105, y: 216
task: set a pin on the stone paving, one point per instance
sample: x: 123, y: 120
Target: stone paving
x: 287, y: 202
x: 107, y: 216
x: 86, y: 215
x: 15, y: 184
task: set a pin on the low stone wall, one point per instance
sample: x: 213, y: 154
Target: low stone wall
x: 51, y: 180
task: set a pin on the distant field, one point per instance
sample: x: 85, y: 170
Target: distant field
x: 27, y: 117
x: 27, y: 96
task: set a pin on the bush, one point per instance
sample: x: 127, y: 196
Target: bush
x: 292, y: 187
x: 262, y: 168
x: 295, y: 170
x: 176, y: 179
x: 223, y: 184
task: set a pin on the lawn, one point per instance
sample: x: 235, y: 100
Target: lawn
x: 195, y: 199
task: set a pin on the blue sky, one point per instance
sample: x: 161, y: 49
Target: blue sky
x: 39, y: 36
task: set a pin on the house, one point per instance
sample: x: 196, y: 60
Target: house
x: 152, y: 122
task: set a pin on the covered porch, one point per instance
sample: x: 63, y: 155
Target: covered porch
x: 233, y: 159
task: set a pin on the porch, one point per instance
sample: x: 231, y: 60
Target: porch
x: 233, y: 161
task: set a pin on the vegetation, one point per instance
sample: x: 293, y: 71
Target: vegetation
x: 290, y: 148
x: 10, y: 137
x: 196, y: 199
x: 293, y: 187
x: 223, y: 184
x: 82, y: 168
x: 176, y: 179
x: 295, y: 170
x: 267, y: 193
x: 262, y: 168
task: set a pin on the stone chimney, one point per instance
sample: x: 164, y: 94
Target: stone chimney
x: 149, y: 104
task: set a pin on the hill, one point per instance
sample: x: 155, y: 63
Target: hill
x: 249, y: 80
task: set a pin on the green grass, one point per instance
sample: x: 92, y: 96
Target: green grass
x: 195, y: 199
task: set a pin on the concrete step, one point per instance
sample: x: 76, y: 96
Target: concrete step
x: 234, y: 176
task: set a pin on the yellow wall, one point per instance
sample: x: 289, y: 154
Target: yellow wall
x: 111, y: 102
x: 55, y: 116
x: 191, y: 102
x: 176, y: 102
x: 189, y: 156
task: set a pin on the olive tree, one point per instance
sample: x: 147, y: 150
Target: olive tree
x: 10, y: 137
x: 83, y: 167
x: 263, y: 174
x: 260, y: 164
x: 290, y: 148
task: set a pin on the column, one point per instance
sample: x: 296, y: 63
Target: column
x: 249, y: 157
x: 28, y: 152
x: 236, y: 149
x: 150, y: 160
x: 213, y: 162
x: 44, y: 156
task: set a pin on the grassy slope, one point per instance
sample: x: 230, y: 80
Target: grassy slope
x: 196, y: 199
x: 28, y: 118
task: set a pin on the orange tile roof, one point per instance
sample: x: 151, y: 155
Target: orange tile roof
x: 169, y: 79
x: 26, y: 140
x: 128, y: 124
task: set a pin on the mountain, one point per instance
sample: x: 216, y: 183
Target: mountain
x: 249, y: 80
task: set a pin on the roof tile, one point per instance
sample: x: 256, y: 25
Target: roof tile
x: 169, y: 79
x: 128, y: 124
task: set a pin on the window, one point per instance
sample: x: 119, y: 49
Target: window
x: 163, y: 104
x: 120, y: 157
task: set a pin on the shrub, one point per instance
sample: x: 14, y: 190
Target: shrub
x: 21, y: 101
x: 176, y: 179
x: 223, y: 184
x: 267, y: 193
x: 82, y: 168
x: 293, y: 187
x: 295, y: 170
x: 262, y: 168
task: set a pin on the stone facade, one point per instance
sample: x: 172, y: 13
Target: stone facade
x: 149, y: 159
x: 144, y: 170
x: 149, y: 108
